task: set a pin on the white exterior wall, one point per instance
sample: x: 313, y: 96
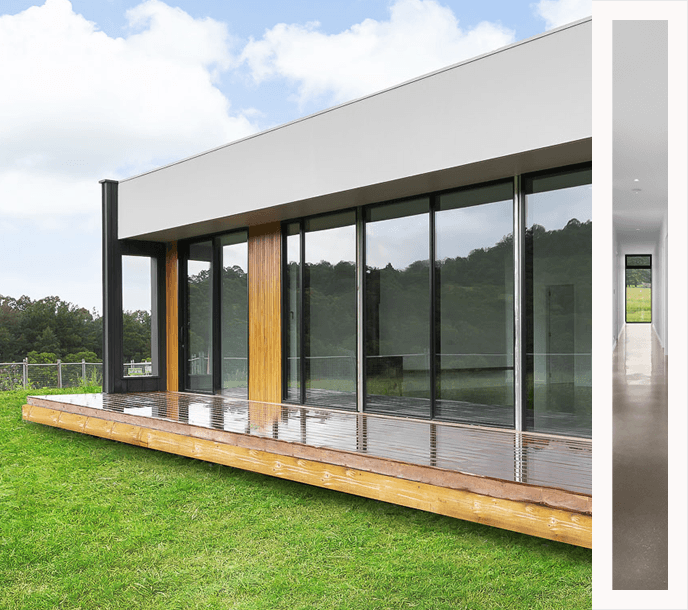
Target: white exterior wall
x: 522, y: 108
x: 617, y: 293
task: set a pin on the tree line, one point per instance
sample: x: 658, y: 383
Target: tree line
x: 48, y: 329
x: 473, y: 293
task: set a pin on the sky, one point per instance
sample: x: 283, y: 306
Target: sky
x: 114, y: 88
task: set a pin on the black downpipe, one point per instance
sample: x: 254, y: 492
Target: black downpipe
x: 303, y: 275
x: 112, y: 291
x: 284, y: 270
x: 216, y: 315
x: 434, y: 310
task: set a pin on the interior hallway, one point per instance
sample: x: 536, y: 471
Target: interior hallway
x: 640, y: 483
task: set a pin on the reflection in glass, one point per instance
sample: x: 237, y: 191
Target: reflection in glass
x: 397, y: 310
x: 330, y: 310
x: 138, y: 353
x: 234, y: 304
x: 558, y: 335
x: 474, y: 312
x: 292, y: 288
x: 199, y: 307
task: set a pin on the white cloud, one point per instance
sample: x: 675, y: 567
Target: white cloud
x: 561, y: 12
x: 420, y: 36
x: 45, y: 195
x: 78, y: 105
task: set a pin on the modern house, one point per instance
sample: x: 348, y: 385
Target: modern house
x: 391, y: 297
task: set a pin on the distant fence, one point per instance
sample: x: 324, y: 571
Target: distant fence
x: 138, y: 369
x: 234, y: 368
x: 16, y: 375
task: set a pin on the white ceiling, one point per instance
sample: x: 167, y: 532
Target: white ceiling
x: 640, y: 125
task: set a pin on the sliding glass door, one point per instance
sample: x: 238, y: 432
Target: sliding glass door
x: 320, y: 311
x: 199, y: 317
x: 474, y: 269
x: 215, y: 332
x: 397, y: 309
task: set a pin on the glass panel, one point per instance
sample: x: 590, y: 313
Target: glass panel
x: 137, y: 310
x: 638, y: 261
x: 199, y: 290
x: 234, y: 296
x: 330, y: 310
x: 292, y: 288
x: 639, y: 295
x: 558, y: 335
x: 397, y: 316
x: 474, y: 313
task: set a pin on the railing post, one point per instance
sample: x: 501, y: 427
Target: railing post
x: 59, y: 373
x: 25, y: 372
x: 83, y: 371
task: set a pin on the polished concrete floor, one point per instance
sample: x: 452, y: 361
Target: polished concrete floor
x: 640, y: 461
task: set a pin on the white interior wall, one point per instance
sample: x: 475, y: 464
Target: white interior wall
x: 662, y: 290
x: 618, y: 290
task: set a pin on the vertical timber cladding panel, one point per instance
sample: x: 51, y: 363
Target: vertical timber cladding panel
x: 264, y: 313
x: 172, y: 317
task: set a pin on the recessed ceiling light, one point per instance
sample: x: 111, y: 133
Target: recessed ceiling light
x: 636, y: 180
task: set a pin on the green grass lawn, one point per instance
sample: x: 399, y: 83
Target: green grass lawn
x: 638, y: 304
x: 90, y: 523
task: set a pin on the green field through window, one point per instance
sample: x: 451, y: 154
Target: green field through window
x: 638, y: 295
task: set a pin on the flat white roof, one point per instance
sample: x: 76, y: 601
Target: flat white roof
x: 521, y: 108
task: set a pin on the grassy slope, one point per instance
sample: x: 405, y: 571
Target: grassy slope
x: 90, y: 523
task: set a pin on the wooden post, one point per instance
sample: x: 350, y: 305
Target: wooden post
x: 264, y: 307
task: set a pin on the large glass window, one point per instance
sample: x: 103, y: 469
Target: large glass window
x: 139, y: 343
x: 474, y: 316
x: 437, y: 321
x: 638, y: 288
x: 330, y: 310
x: 320, y: 292
x: 199, y: 347
x: 397, y: 309
x: 558, y: 316
x: 234, y: 322
x: 292, y: 313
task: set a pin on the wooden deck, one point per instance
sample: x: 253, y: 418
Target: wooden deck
x: 531, y: 483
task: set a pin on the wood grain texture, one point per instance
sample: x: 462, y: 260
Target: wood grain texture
x: 172, y: 315
x: 172, y: 406
x: 264, y: 313
x: 533, y: 519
